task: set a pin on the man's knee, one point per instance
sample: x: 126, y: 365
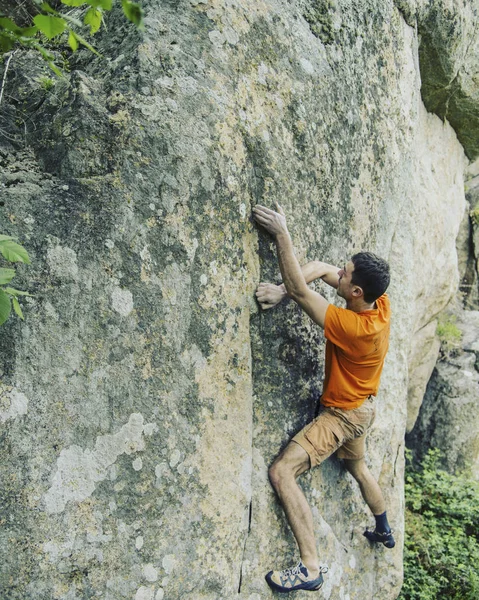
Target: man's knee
x: 289, y: 465
x: 278, y: 472
x: 282, y: 471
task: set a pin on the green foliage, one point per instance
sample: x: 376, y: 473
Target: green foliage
x: 12, y: 252
x: 475, y: 215
x: 47, y: 83
x: 133, y: 12
x: 441, y: 550
x: 449, y: 334
x: 93, y: 18
x: 50, y: 26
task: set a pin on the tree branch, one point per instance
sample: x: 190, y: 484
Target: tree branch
x: 5, y: 73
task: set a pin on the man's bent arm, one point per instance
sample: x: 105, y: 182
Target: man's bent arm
x: 295, y: 281
x: 269, y: 294
x: 320, y: 270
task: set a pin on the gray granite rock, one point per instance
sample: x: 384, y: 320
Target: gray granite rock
x: 145, y: 395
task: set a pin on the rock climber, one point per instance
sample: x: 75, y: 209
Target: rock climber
x: 357, y: 341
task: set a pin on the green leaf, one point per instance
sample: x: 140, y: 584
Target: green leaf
x: 55, y: 69
x: 93, y: 18
x: 50, y: 26
x: 29, y: 31
x: 72, y: 41
x: 5, y: 307
x: 13, y: 252
x: 14, y: 292
x: 105, y: 4
x: 6, y: 275
x: 6, y: 42
x: 16, y: 308
x: 73, y: 2
x: 10, y: 25
x: 133, y: 12
x: 6, y: 237
x: 47, y: 8
x: 48, y: 56
x: 83, y: 41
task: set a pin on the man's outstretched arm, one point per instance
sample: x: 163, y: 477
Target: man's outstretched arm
x: 296, y: 286
x: 269, y: 294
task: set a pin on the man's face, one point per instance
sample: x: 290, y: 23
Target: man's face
x: 345, y: 286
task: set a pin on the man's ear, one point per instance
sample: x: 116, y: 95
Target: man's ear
x: 357, y: 291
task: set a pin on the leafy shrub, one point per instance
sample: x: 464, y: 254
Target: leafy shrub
x: 441, y: 551
x: 12, y: 252
x: 51, y: 25
x: 449, y: 334
x: 475, y: 215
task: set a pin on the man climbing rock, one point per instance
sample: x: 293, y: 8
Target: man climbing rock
x: 357, y: 341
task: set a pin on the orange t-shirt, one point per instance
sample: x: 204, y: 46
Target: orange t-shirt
x: 355, y: 350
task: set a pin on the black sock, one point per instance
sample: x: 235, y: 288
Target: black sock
x: 382, y: 525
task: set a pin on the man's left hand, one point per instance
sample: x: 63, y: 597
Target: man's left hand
x: 273, y: 222
x: 269, y: 295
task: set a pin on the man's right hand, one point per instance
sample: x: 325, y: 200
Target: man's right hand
x: 269, y: 295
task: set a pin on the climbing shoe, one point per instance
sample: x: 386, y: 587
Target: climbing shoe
x: 385, y: 538
x: 296, y: 578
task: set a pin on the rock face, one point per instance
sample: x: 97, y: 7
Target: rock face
x: 449, y: 53
x: 469, y: 240
x: 448, y: 418
x: 422, y: 360
x: 144, y: 396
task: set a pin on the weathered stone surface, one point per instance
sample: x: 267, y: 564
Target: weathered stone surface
x: 472, y: 196
x: 145, y: 395
x: 449, y: 55
x: 448, y: 59
x: 467, y: 260
x: 467, y: 242
x: 448, y: 419
x: 422, y: 360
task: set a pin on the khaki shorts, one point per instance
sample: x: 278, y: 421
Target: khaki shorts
x: 337, y: 429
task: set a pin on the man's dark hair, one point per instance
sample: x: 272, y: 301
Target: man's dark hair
x: 371, y: 274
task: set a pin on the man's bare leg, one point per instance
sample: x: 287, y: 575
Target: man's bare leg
x: 374, y: 498
x: 369, y: 487
x: 291, y: 463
